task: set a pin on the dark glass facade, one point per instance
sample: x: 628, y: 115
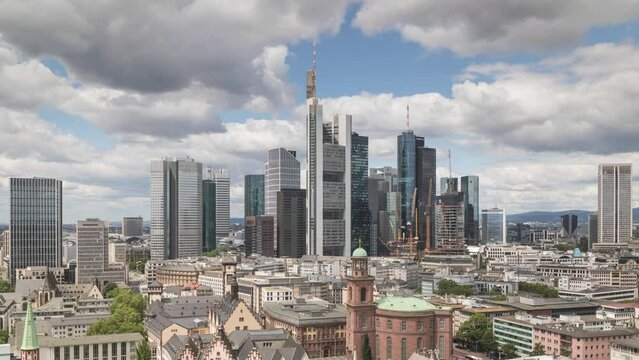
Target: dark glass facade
x: 406, y: 171
x: 426, y: 184
x: 360, y: 213
x: 291, y: 223
x: 253, y: 195
x: 208, y: 215
x: 470, y: 188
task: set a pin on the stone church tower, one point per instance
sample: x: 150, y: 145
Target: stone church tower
x: 360, y: 308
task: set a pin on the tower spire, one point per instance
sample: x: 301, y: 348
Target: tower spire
x: 30, y: 348
x: 310, y: 75
x: 407, y: 116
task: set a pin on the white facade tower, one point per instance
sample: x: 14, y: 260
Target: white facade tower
x: 615, y: 204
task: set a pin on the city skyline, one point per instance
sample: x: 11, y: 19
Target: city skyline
x: 97, y: 127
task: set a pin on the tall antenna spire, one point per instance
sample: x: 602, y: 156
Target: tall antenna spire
x: 450, y: 171
x: 310, y: 75
x: 407, y: 116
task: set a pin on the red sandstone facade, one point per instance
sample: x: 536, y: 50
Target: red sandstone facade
x: 393, y: 335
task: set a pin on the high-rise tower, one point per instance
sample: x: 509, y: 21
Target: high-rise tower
x: 222, y: 180
x: 281, y: 171
x: 253, y: 195
x: 615, y: 203
x: 176, y: 208
x: 35, y: 223
x: 328, y: 179
x: 360, y: 212
x: 470, y: 188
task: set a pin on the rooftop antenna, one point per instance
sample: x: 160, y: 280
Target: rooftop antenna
x: 407, y: 116
x: 450, y: 173
x: 310, y: 75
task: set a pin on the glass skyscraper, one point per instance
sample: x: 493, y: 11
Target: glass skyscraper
x: 360, y: 213
x: 222, y: 180
x: 176, y: 208
x: 406, y: 171
x: 35, y: 223
x: 615, y: 203
x: 253, y: 195
x: 493, y: 226
x: 208, y: 215
x: 281, y: 171
x: 470, y: 188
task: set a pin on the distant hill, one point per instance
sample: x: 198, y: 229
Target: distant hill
x: 555, y: 216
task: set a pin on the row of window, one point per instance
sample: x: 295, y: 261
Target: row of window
x: 402, y: 325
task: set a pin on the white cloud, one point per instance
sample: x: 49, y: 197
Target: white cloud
x: 492, y: 26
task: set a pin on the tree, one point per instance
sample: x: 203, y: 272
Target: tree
x: 450, y: 287
x: 538, y: 350
x: 217, y: 251
x: 4, y: 336
x: 5, y: 286
x: 108, y: 288
x: 476, y: 333
x: 583, y: 244
x: 367, y: 353
x: 540, y: 289
x: 127, y: 314
x: 508, y: 351
x: 143, y: 351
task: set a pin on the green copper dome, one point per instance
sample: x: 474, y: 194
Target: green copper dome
x: 405, y: 304
x: 360, y: 252
x: 29, y: 336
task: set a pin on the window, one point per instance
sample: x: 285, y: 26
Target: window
x: 389, y: 325
x: 420, y: 343
x: 241, y: 319
x: 441, y: 346
x: 67, y: 353
x: 85, y: 349
x: 362, y: 321
x: 403, y: 348
x: 420, y: 325
x: 389, y: 348
x: 403, y: 326
x: 442, y: 324
x: 376, y: 344
x: 362, y: 294
x: 377, y: 323
x: 56, y: 353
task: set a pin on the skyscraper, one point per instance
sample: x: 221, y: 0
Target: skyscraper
x: 35, y: 223
x: 253, y: 195
x: 360, y: 213
x: 93, y: 254
x: 208, y: 216
x: 426, y: 192
x: 222, y: 180
x: 258, y: 239
x: 328, y: 179
x: 176, y: 208
x: 291, y: 223
x: 407, y: 172
x: 281, y: 171
x: 493, y: 226
x: 449, y: 222
x: 132, y: 226
x: 615, y: 203
x: 569, y: 224
x: 592, y: 229
x: 470, y: 188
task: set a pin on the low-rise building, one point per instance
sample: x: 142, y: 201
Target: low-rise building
x: 316, y: 325
x: 553, y: 307
x: 177, y: 274
x: 602, y: 293
x: 114, y: 346
x: 491, y: 312
x: 624, y: 350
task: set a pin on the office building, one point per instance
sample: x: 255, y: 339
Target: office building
x: 290, y: 228
x: 328, y: 179
x: 258, y: 236
x: 569, y: 224
x: 208, y: 215
x: 615, y: 203
x: 35, y: 223
x: 360, y: 213
x: 253, y: 195
x: 493, y: 226
x: 176, y: 208
x: 382, y: 182
x: 592, y: 229
x: 132, y: 226
x: 222, y: 180
x: 448, y: 184
x: 449, y: 222
x: 93, y: 254
x: 470, y: 188
x: 281, y: 171
x: 416, y: 169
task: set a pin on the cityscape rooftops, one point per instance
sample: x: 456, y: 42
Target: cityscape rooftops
x: 306, y: 314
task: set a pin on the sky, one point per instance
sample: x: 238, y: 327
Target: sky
x: 529, y: 95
